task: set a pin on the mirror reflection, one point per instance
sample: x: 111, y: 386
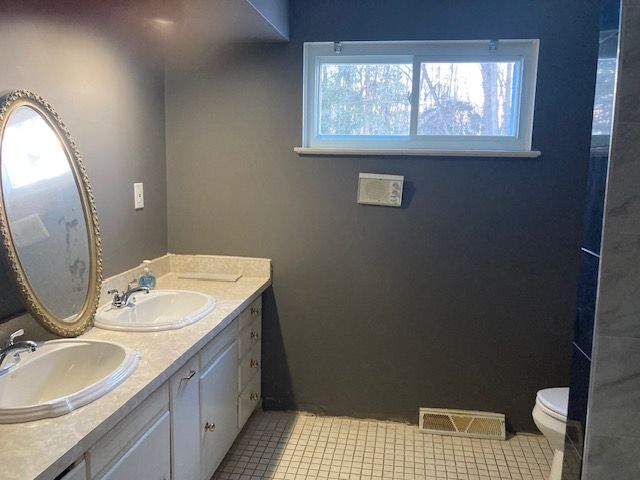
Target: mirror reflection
x: 45, y: 213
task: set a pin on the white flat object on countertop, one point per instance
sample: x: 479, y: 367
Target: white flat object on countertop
x: 214, y: 277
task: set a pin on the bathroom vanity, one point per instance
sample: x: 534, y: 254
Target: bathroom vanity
x: 177, y: 415
x: 164, y: 389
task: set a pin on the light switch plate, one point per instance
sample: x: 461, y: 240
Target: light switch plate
x: 379, y: 189
x: 138, y: 195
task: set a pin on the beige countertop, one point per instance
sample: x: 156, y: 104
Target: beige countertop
x: 44, y: 448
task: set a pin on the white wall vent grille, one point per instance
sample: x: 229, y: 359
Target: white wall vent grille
x: 463, y: 423
x: 379, y: 189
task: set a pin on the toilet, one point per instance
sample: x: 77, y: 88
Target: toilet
x: 550, y: 416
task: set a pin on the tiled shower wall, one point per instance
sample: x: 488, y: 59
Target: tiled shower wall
x: 590, y: 251
x: 583, y: 337
x: 612, y: 445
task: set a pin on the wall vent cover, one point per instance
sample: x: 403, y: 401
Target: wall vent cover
x: 379, y: 189
x: 463, y: 423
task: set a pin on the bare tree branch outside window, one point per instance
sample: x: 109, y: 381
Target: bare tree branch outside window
x: 463, y: 98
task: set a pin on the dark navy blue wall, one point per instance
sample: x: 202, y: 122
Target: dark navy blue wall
x: 610, y: 14
x: 464, y: 298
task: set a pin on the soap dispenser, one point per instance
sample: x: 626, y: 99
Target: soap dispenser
x: 147, y: 279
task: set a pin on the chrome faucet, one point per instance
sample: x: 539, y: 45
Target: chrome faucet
x: 22, y: 346
x: 121, y: 299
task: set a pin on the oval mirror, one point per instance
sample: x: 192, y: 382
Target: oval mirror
x: 48, y: 223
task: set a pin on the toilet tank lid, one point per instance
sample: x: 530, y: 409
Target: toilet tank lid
x: 555, y: 399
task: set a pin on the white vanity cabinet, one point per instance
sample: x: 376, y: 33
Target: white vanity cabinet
x: 207, y: 415
x: 183, y: 430
x: 137, y: 447
x: 218, y: 408
x: 148, y: 457
x: 250, y: 363
x: 185, y: 422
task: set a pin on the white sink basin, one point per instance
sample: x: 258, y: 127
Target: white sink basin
x: 60, y: 376
x: 157, y: 310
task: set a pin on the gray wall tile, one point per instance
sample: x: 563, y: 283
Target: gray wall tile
x: 628, y: 86
x: 613, y: 419
x: 612, y: 458
x: 619, y: 293
x: 615, y: 395
x: 623, y: 202
x: 619, y: 289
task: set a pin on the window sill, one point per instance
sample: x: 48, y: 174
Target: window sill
x: 415, y: 152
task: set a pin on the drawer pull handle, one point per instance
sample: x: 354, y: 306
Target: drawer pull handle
x: 189, y: 377
x: 255, y: 311
x: 255, y: 335
x: 254, y: 364
x: 253, y: 396
x: 209, y: 427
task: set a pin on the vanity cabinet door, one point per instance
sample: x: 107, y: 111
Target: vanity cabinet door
x: 148, y: 458
x: 123, y: 439
x: 185, y: 422
x: 218, y: 409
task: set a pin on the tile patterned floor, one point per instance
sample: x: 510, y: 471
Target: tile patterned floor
x: 299, y: 446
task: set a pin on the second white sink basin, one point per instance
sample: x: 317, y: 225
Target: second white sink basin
x: 60, y: 376
x: 157, y: 310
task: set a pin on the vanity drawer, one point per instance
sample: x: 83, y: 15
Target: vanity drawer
x: 215, y: 346
x: 249, y: 337
x: 249, y: 366
x: 250, y: 313
x: 124, y: 434
x: 248, y: 401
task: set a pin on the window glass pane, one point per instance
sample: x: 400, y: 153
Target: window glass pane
x: 603, y: 104
x: 468, y: 98
x: 365, y: 98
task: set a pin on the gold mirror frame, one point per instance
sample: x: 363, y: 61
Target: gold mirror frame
x: 9, y: 103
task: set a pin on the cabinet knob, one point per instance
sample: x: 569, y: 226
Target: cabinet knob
x: 253, y: 396
x: 255, y: 311
x: 254, y: 364
x: 189, y: 376
x: 255, y: 335
x: 209, y: 427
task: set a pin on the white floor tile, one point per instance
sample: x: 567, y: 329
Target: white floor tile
x: 300, y: 446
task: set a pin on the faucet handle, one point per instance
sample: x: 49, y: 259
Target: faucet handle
x: 14, y: 335
x: 132, y: 283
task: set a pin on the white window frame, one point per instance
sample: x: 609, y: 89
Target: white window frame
x: 316, y: 53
